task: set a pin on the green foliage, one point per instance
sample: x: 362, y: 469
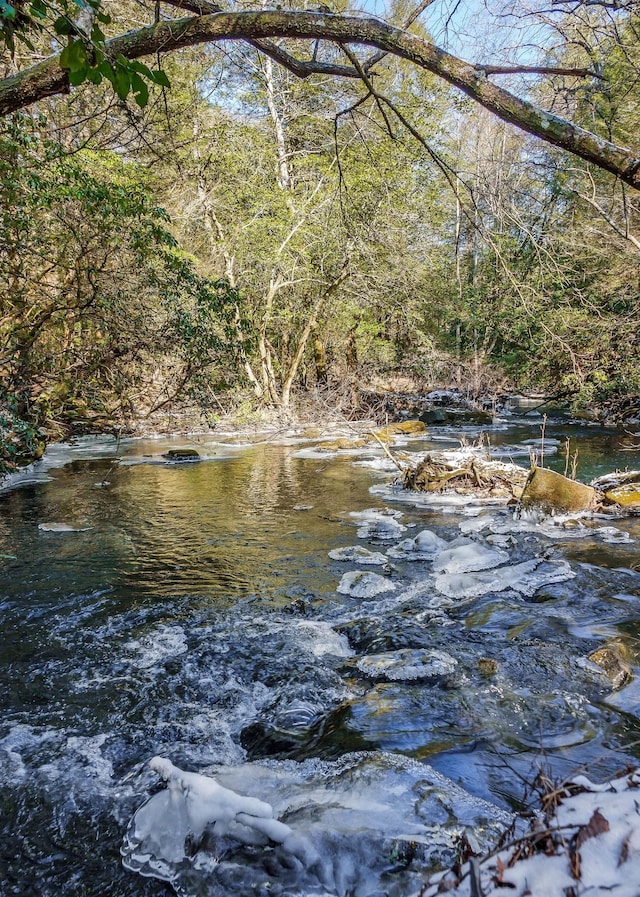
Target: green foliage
x: 93, y: 287
x: 85, y: 56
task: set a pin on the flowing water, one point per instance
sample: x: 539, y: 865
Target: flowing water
x: 192, y: 611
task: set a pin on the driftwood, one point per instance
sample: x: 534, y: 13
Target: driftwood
x: 469, y: 476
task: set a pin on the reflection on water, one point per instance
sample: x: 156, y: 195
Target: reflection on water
x: 195, y: 615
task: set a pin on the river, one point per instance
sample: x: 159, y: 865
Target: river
x: 191, y: 611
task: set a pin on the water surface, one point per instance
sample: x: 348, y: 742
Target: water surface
x: 194, y: 614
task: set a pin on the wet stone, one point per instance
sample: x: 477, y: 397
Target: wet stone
x: 612, y: 661
x: 182, y: 455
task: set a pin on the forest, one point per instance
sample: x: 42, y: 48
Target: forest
x: 280, y: 208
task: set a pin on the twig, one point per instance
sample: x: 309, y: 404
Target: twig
x: 397, y: 463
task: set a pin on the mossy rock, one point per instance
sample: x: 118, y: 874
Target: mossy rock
x: 341, y: 444
x: 612, y: 659
x: 182, y: 455
x: 406, y: 428
x: 627, y: 496
x: 553, y: 492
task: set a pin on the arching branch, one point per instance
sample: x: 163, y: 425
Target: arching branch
x: 48, y: 78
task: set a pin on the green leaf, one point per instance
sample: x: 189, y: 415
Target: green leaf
x: 63, y: 25
x: 74, y: 57
x: 77, y: 76
x: 122, y: 82
x: 142, y: 68
x: 7, y: 11
x: 103, y: 18
x: 94, y: 75
x: 161, y: 78
x: 140, y: 90
x: 38, y: 9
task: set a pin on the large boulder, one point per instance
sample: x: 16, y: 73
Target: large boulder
x: 552, y: 491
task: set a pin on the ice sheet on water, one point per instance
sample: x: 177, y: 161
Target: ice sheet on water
x: 535, y: 521
x: 360, y: 555
x: 423, y: 547
x: 62, y: 528
x: 466, y: 556
x: 366, y: 825
x: 525, y: 578
x: 381, y: 525
x: 448, y: 502
x: 382, y: 465
x: 320, y: 639
x: 407, y: 664
x: 359, y: 584
x: 613, y: 536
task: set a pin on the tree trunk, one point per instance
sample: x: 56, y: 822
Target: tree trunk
x: 320, y: 358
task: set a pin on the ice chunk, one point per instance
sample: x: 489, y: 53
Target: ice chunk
x: 320, y: 639
x: 428, y: 541
x: 465, y: 556
x: 525, y: 578
x: 385, y: 530
x: 379, y: 524
x: 359, y: 584
x: 423, y: 547
x: 359, y: 554
x: 613, y: 535
x: 407, y: 663
x: 191, y: 803
x: 62, y: 528
x: 352, y: 822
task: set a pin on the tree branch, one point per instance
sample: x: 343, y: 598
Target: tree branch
x: 538, y: 70
x: 300, y: 68
x: 48, y: 78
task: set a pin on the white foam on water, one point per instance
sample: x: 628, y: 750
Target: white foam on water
x: 360, y: 555
x: 158, y: 646
x: 360, y: 584
x: 466, y: 556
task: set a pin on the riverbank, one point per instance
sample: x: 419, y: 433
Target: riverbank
x: 23, y: 440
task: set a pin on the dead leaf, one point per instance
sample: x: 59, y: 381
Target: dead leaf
x: 596, y: 826
x: 574, y: 863
x: 624, y: 850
